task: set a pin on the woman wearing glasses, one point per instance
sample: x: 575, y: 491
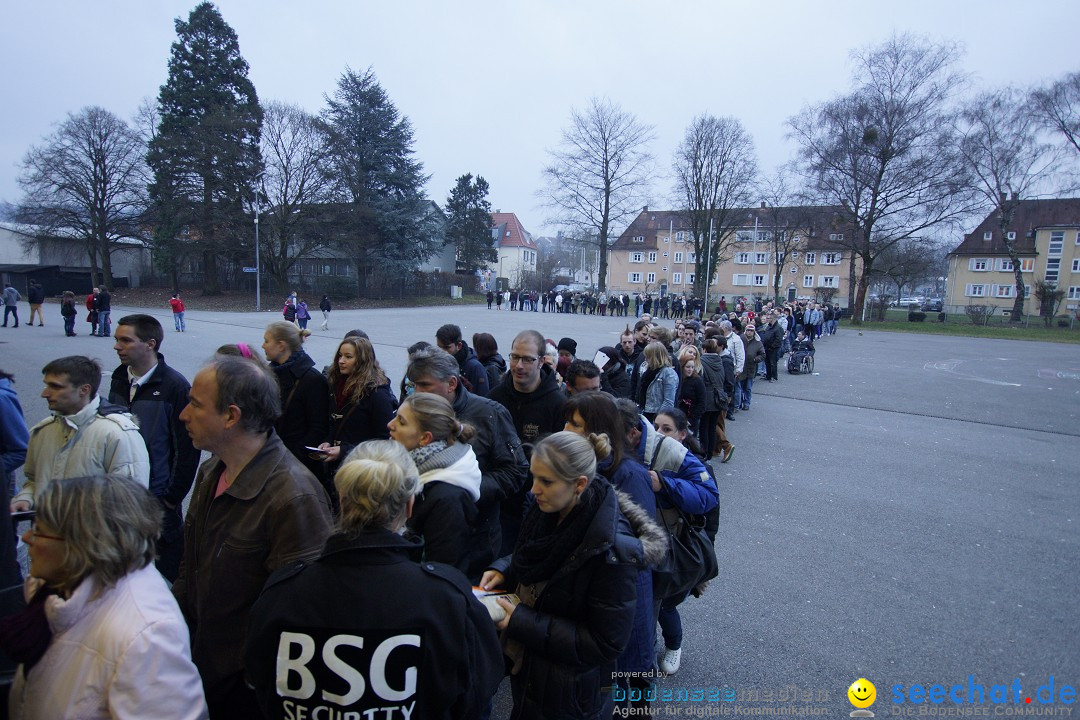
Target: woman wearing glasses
x: 102, y: 636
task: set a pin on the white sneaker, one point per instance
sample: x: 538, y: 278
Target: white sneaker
x: 670, y: 662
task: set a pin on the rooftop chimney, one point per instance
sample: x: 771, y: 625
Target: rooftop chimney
x: 644, y: 208
x: 763, y: 206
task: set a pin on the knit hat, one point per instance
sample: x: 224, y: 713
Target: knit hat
x: 568, y: 344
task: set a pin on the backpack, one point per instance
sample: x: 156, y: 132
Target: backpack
x: 289, y: 312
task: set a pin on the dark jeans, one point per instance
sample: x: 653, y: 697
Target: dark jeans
x: 671, y: 623
x: 170, y: 546
x: 771, y: 356
x: 708, y: 433
x: 69, y: 325
x: 11, y: 310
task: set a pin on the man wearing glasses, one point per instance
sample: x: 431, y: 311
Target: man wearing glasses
x: 535, y: 402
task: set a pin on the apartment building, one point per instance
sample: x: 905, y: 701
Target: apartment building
x: 656, y: 254
x: 1046, y: 235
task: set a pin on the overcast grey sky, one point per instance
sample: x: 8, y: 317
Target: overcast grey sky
x: 489, y: 85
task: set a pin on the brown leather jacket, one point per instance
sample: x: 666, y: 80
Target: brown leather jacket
x: 274, y: 513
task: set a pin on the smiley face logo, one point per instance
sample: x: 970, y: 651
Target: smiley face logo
x: 862, y: 693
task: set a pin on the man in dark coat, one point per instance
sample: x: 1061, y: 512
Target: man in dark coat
x: 772, y: 337
x: 535, y: 402
x: 156, y: 394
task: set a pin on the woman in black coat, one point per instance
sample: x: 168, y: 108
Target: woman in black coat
x: 305, y: 398
x: 691, y: 395
x: 361, y: 402
x: 574, y: 568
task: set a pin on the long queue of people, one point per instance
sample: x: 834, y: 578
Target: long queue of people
x: 348, y: 550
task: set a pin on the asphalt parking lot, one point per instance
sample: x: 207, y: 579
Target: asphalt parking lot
x: 907, y: 514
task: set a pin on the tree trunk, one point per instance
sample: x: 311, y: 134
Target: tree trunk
x: 106, y: 266
x: 860, y: 295
x: 211, y: 281
x: 851, y: 282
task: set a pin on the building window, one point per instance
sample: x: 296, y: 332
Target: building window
x: 650, y: 278
x: 636, y: 257
x: 1053, y: 265
x: 808, y: 281
x: 979, y: 264
x: 1004, y: 265
x: 691, y: 258
x: 1003, y: 291
x: 988, y: 235
x: 665, y: 253
x: 676, y: 278
x: 744, y: 236
x: 740, y: 279
x: 811, y: 258
x: 667, y: 239
x: 975, y: 290
x: 652, y: 256
x: 831, y: 258
x: 742, y: 258
x: 1074, y: 292
x: 689, y: 278
x: 830, y: 281
x: 1011, y: 235
x: 759, y: 281
x: 678, y: 256
x: 634, y: 277
x: 761, y: 258
x: 1057, y: 239
x: 680, y: 237
x: 1076, y: 265
x: 663, y: 268
x: 639, y: 238
x: 1027, y: 265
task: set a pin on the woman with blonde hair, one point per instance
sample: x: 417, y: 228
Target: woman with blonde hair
x: 361, y: 402
x: 102, y: 635
x: 444, y: 659
x: 574, y: 568
x: 659, y: 383
x: 305, y: 396
x: 445, y: 508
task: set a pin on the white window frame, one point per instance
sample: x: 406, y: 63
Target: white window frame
x: 740, y: 279
x: 744, y: 236
x: 680, y: 237
x: 1074, y: 292
x: 634, y: 277
x: 761, y: 258
x: 637, y: 257
x: 975, y: 290
x: 1076, y: 265
x: 808, y: 281
x: 810, y: 259
x: 1004, y: 264
x: 1027, y: 265
x: 676, y: 278
x: 759, y: 280
x: 639, y: 238
x: 988, y: 235
x: 1003, y: 291
x: 691, y: 257
x: 678, y: 256
x: 663, y: 268
x: 829, y: 281
x: 742, y: 258
x: 1057, y: 241
x: 979, y: 264
x: 650, y: 278
x: 690, y: 278
x: 831, y: 258
x: 652, y: 256
x: 1011, y: 234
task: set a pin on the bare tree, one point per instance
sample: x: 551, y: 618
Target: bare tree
x: 1058, y: 107
x: 907, y: 262
x: 599, y: 176
x: 716, y: 172
x: 295, y: 154
x: 784, y: 221
x: 1007, y: 162
x: 886, y: 153
x: 87, y: 181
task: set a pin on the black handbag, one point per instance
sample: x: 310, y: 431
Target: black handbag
x: 691, y: 557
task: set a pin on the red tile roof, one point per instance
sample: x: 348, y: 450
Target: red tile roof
x: 511, y: 231
x: 1031, y: 215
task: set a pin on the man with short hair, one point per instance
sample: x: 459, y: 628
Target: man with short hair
x: 156, y: 394
x: 448, y: 338
x: 535, y: 403
x: 255, y: 509
x: 582, y: 376
x: 503, y: 467
x: 83, y: 436
x: 35, y: 294
x: 629, y: 352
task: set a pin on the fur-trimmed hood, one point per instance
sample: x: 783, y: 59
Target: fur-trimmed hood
x: 654, y: 541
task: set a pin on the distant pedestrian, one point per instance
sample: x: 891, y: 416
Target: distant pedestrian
x: 68, y: 312
x: 177, y: 306
x: 324, y: 305
x: 11, y: 298
x: 302, y: 314
x: 103, y: 305
x: 289, y: 311
x: 36, y: 296
x: 490, y: 298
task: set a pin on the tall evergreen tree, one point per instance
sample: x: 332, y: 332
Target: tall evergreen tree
x: 468, y: 223
x: 205, y: 155
x: 385, y: 223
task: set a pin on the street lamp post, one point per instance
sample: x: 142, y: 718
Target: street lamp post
x: 258, y: 267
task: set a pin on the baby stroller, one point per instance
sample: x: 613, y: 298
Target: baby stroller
x: 800, y: 361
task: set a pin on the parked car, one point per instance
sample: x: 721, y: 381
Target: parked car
x: 908, y: 301
x: 933, y: 305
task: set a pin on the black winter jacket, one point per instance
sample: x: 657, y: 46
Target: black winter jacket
x: 495, y: 367
x: 615, y: 381
x: 305, y: 408
x: 472, y: 370
x: 537, y: 413
x: 580, y: 623
x: 157, y: 405
x: 435, y: 638
x: 353, y: 423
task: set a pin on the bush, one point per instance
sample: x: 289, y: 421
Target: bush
x: 916, y: 316
x: 941, y: 317
x: 979, y: 314
x: 1063, y: 322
